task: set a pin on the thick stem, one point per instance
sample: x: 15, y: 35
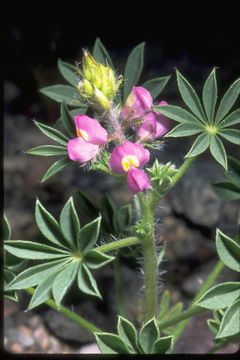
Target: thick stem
x: 70, y: 314
x: 114, y: 245
x: 150, y: 260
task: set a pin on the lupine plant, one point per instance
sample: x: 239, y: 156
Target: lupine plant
x: 109, y: 123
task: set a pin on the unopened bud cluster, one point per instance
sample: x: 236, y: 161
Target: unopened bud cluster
x: 99, y: 83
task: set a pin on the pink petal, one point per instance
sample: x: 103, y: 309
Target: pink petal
x: 81, y: 151
x: 138, y: 102
x: 127, y: 148
x: 138, y: 180
x: 95, y: 132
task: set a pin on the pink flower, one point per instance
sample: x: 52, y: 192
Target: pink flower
x: 137, y: 180
x: 127, y: 155
x: 154, y: 125
x: 129, y: 158
x: 139, y: 101
x: 91, y: 136
x: 139, y: 105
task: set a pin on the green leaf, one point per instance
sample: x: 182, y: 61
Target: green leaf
x: 55, y: 168
x: 70, y: 224
x: 218, y: 151
x: 78, y: 111
x: 200, y: 145
x: 35, y: 274
x: 149, y: 333
x: 233, y: 169
x: 227, y: 190
x: 133, y: 69
x: 31, y: 250
x: 156, y: 85
x: 64, y: 280
x: 6, y: 228
x: 62, y: 93
x: 213, y: 326
x: 176, y: 309
x: 95, y: 259
x: 48, y: 226
x: 228, y: 251
x: 69, y: 72
x: 163, y: 345
x: 231, y: 321
x: 232, y: 135
x: 43, y: 292
x: 67, y: 120
x: 108, y: 213
x: 231, y: 119
x: 190, y: 97
x: 89, y: 234
x: 177, y: 113
x: 48, y: 150
x: 101, y: 55
x: 8, y: 277
x: 84, y: 204
x: 86, y: 282
x: 127, y: 332
x: 123, y: 217
x: 110, y: 344
x: 220, y: 296
x: 185, y: 129
x: 164, y: 304
x: 52, y: 133
x: 228, y: 100
x: 210, y: 95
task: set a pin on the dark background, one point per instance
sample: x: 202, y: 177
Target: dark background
x: 193, y: 39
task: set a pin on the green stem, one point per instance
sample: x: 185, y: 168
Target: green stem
x: 70, y: 314
x: 114, y: 245
x: 181, y: 171
x: 118, y: 287
x: 193, y: 310
x: 150, y: 259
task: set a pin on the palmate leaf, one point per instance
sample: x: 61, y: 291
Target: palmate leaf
x: 67, y: 120
x: 84, y: 204
x: 52, y: 133
x: 77, y: 111
x: 200, y: 145
x: 35, y: 274
x: 163, y: 345
x: 185, y: 129
x: 156, y: 85
x: 149, y: 333
x: 230, y: 324
x: 95, y: 259
x: 228, y: 251
x: 8, y: 276
x: 89, y: 234
x: 233, y: 169
x: 133, y: 69
x: 220, y: 296
x: 69, y: 223
x: 231, y: 119
x: 231, y: 135
x: 69, y: 72
x: 86, y: 282
x: 101, y: 54
x: 55, y: 168
x: 177, y: 113
x: 218, y: 151
x: 111, y: 344
x: 127, y: 333
x: 43, y: 292
x: 228, y: 100
x: 34, y: 251
x: 48, y: 150
x: 227, y: 190
x: 64, y: 280
x: 190, y: 97
x: 62, y: 93
x: 210, y: 95
x: 6, y: 228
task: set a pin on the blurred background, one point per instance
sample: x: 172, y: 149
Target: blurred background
x: 189, y: 215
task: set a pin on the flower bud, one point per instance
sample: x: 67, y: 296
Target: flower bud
x: 101, y: 99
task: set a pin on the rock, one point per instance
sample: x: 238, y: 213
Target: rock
x: 89, y: 349
x: 68, y: 330
x: 194, y: 282
x: 194, y: 197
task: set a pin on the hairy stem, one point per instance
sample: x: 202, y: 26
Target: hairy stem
x: 114, y: 245
x: 182, y: 170
x: 70, y: 314
x: 118, y: 287
x: 149, y: 259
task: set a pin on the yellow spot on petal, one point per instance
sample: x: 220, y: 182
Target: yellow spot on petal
x: 128, y: 161
x: 83, y: 134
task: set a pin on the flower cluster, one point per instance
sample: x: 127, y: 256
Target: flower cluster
x: 127, y: 157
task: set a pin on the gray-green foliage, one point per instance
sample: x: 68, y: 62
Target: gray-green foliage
x: 71, y: 255
x: 129, y: 341
x: 203, y: 119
